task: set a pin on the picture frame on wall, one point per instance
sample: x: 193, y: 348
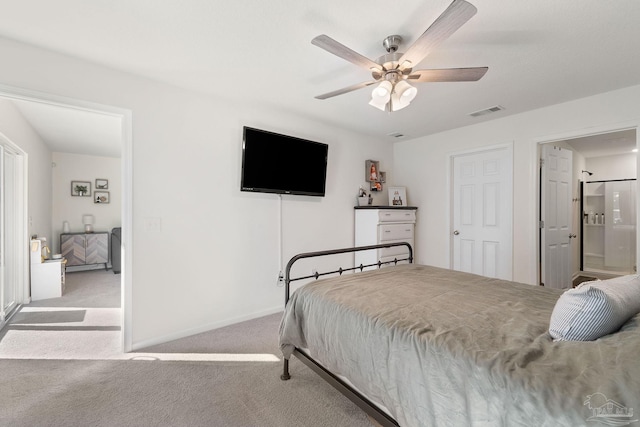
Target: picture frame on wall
x: 101, y: 197
x: 102, y: 184
x: 371, y: 170
x: 81, y: 188
x: 397, y: 196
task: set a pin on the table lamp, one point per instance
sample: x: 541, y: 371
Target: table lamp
x: 87, y: 220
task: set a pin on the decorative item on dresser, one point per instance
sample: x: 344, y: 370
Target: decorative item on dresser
x: 88, y: 220
x: 85, y: 248
x: 397, y: 196
x: 376, y: 225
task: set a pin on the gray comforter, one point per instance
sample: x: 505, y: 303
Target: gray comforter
x: 443, y: 348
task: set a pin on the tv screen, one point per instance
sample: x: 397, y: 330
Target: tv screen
x: 275, y: 163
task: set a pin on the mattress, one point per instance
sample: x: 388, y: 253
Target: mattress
x: 438, y: 348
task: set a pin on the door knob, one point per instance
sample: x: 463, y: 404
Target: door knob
x: 456, y: 232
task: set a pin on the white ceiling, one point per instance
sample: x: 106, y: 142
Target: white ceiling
x: 539, y: 52
x: 72, y: 130
x: 608, y: 144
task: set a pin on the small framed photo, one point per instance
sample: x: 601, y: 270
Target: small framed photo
x: 100, y: 197
x: 102, y: 184
x: 371, y: 171
x: 383, y: 177
x: 376, y: 186
x: 398, y: 196
x: 81, y: 188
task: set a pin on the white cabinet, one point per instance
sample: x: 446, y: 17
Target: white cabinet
x: 376, y: 225
x: 47, y: 279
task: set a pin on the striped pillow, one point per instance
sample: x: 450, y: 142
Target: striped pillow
x: 594, y: 309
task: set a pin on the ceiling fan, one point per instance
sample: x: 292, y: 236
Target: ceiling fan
x: 394, y: 71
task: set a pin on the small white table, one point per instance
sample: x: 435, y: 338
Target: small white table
x: 47, y: 279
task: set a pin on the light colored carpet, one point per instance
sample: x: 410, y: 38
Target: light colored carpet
x: 227, y: 377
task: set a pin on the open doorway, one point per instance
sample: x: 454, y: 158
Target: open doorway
x: 91, y: 113
x: 598, y: 245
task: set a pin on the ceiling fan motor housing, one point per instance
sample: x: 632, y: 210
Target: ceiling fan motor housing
x: 391, y: 43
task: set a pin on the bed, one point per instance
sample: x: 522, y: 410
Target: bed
x: 416, y: 345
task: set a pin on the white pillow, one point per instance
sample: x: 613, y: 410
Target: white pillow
x: 594, y: 309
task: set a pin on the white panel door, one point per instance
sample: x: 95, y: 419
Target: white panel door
x: 482, y: 213
x: 556, y: 218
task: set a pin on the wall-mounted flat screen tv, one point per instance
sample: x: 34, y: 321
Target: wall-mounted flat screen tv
x: 275, y: 163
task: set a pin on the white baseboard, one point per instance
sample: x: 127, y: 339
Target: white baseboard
x: 204, y: 328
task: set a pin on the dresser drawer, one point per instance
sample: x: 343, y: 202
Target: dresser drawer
x: 395, y: 232
x: 396, y: 215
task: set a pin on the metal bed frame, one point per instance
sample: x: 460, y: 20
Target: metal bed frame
x: 356, y: 397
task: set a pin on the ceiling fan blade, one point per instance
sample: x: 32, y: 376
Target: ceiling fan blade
x: 458, y: 12
x: 346, y: 89
x: 448, y: 75
x: 338, y: 49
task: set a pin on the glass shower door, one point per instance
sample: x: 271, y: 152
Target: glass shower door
x: 609, y: 227
x: 620, y: 231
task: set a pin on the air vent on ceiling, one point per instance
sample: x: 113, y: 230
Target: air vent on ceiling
x: 396, y: 134
x: 489, y: 110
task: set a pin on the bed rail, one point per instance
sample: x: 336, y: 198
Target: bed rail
x: 287, y: 275
x: 380, y: 416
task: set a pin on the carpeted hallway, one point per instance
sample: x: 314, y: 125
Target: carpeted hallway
x: 70, y: 372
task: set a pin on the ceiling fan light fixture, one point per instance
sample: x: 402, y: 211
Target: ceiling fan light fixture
x: 403, y: 94
x: 382, y: 92
x: 380, y: 105
x: 397, y: 103
x: 405, y: 91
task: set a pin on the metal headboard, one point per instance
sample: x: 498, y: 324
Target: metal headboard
x: 288, y: 279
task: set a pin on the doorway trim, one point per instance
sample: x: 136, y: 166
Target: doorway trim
x: 563, y: 136
x: 20, y: 224
x: 126, y: 117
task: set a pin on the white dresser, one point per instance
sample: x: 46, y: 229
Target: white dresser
x: 377, y: 225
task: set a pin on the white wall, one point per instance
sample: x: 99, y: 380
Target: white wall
x: 215, y: 259
x: 423, y: 164
x: 17, y: 129
x: 605, y: 168
x: 77, y: 167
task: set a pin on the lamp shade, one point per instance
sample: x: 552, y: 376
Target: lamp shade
x: 381, y: 95
x: 383, y: 91
x: 380, y: 105
x: 87, y: 220
x: 403, y: 94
